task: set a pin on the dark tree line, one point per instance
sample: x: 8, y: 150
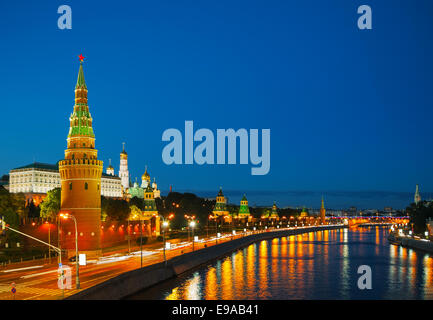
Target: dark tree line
x: 419, y: 213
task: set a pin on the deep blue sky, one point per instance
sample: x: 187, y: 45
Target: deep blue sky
x: 348, y: 109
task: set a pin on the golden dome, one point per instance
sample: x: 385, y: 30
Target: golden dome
x: 145, y: 176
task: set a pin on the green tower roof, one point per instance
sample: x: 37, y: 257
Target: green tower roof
x: 80, y: 81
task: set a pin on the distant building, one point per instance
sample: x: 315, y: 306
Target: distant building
x: 352, y: 211
x: 220, y: 208
x: 274, y: 212
x: 36, y: 179
x: 139, y: 191
x: 244, y: 211
x: 417, y: 196
x: 304, y: 212
x: 322, y: 211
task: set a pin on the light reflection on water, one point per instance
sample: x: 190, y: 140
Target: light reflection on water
x: 320, y: 265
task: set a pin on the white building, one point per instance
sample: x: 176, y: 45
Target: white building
x: 123, y: 170
x: 41, y: 178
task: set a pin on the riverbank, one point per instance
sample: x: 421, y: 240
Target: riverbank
x: 409, y: 242
x: 133, y: 281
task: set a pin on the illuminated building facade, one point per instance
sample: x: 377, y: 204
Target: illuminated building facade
x: 36, y: 179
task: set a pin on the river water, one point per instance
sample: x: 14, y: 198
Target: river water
x: 317, y: 265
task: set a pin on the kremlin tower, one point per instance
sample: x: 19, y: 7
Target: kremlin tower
x: 274, y: 212
x: 80, y: 176
x: 123, y: 170
x: 322, y: 212
x: 150, y: 209
x: 244, y: 211
x: 220, y: 208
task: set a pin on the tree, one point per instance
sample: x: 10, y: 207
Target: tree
x: 12, y: 220
x: 50, y: 207
x: 135, y: 214
x: 18, y: 202
x: 418, y: 214
x: 117, y: 210
x: 13, y: 201
x: 138, y: 202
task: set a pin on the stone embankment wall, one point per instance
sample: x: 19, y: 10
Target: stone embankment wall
x: 133, y: 281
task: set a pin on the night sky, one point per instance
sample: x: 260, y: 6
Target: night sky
x: 348, y: 109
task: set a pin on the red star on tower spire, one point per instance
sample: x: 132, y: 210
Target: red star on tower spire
x: 81, y: 57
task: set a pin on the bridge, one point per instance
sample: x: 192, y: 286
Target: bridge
x: 357, y: 221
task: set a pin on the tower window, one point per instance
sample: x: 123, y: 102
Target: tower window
x: 86, y: 186
x: 70, y: 185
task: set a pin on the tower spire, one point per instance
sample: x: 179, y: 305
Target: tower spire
x: 417, y: 197
x: 80, y: 80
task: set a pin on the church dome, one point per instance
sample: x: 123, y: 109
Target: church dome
x: 145, y: 176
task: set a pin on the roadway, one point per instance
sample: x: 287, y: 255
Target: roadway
x: 37, y: 280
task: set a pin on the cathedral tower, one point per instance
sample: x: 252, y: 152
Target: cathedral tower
x: 110, y: 169
x: 80, y: 176
x: 123, y: 170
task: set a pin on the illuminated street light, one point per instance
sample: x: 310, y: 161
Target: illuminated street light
x: 164, y: 226
x: 66, y: 216
x: 192, y: 225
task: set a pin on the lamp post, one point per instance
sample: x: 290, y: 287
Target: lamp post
x: 141, y: 242
x: 216, y: 228
x: 77, y: 273
x: 164, y: 226
x: 49, y: 242
x: 192, y: 225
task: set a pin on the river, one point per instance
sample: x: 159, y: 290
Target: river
x: 317, y: 265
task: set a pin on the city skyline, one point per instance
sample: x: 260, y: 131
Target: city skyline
x: 320, y: 139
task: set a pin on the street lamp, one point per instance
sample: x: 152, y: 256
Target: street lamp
x: 164, y: 226
x: 66, y: 216
x: 192, y: 225
x: 49, y: 241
